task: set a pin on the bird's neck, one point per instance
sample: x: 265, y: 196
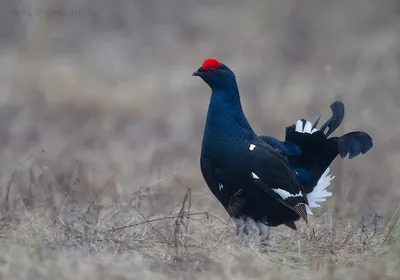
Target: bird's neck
x: 225, y: 114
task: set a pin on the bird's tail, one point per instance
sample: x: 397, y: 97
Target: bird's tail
x: 318, y: 152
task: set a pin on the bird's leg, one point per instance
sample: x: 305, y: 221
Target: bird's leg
x: 264, y: 233
x: 241, y: 228
x: 264, y: 230
x: 248, y: 229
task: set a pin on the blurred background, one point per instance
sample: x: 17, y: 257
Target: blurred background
x: 97, y: 97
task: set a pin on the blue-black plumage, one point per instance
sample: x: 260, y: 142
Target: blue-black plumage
x: 260, y: 180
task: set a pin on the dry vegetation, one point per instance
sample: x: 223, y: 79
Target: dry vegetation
x: 101, y: 124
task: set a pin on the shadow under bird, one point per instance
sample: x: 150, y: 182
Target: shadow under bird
x: 262, y: 181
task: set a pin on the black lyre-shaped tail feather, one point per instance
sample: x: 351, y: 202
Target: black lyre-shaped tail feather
x: 334, y: 122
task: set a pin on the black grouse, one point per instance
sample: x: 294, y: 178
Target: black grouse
x: 260, y: 180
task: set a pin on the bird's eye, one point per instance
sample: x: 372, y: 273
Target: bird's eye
x: 212, y: 70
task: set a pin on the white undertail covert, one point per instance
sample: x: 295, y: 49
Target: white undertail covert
x: 319, y: 193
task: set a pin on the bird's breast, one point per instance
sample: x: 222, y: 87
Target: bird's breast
x: 226, y: 157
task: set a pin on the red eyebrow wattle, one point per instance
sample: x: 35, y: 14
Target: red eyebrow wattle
x: 209, y: 63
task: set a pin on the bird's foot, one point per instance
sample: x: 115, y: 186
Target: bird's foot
x: 249, y: 230
x: 264, y: 243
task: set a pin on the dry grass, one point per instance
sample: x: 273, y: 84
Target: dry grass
x: 122, y: 242
x: 101, y: 125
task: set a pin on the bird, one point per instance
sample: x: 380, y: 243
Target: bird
x: 261, y: 181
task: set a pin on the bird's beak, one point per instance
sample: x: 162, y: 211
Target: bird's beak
x: 196, y: 73
x: 199, y: 72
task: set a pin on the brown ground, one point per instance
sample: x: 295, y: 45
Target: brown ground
x: 101, y: 125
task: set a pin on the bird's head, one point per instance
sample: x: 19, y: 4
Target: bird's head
x: 217, y: 75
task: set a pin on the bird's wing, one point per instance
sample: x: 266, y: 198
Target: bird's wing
x: 273, y: 174
x: 283, y: 147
